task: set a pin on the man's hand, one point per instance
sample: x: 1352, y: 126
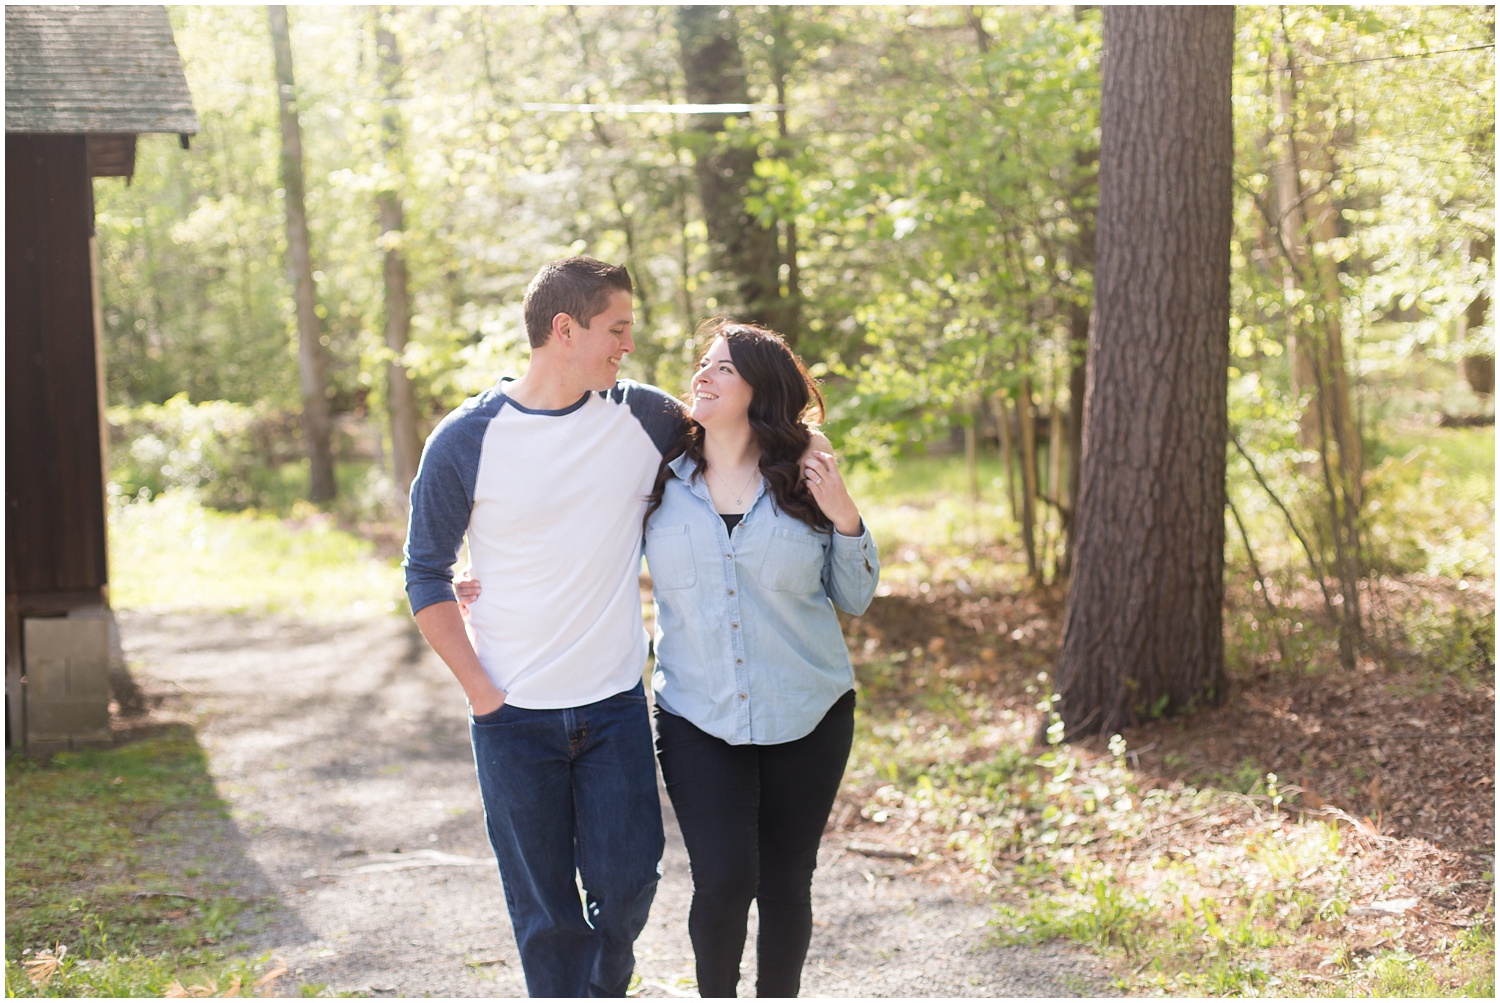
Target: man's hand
x: 486, y: 703
x: 443, y: 626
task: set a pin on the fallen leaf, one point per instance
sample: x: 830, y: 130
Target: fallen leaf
x: 267, y: 982
x: 45, y: 964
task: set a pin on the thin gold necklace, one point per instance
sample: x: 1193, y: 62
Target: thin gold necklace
x: 739, y: 498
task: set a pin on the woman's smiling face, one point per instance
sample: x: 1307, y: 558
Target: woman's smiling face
x: 720, y: 393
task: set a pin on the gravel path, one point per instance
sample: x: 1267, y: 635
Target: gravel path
x: 342, y: 752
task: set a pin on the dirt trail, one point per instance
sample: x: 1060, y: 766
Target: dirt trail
x: 342, y: 752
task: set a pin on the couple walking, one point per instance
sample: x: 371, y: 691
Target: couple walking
x: 750, y: 537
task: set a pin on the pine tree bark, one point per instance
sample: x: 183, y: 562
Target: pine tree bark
x: 1143, y: 629
x: 401, y: 398
x: 317, y: 419
x: 744, y: 254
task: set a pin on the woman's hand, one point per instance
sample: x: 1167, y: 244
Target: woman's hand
x: 827, y: 487
x: 484, y: 697
x: 466, y: 588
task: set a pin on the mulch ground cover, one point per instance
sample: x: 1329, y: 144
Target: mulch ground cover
x: 1400, y: 751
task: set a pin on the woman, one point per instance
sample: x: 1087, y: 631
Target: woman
x: 751, y: 538
x: 749, y: 535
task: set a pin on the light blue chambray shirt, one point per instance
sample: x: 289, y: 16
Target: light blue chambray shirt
x: 748, y: 646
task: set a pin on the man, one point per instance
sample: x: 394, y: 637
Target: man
x: 547, y: 475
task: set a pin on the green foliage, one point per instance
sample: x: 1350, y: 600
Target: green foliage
x: 937, y: 164
x: 1431, y: 502
x: 192, y: 281
x: 979, y: 202
x: 1403, y: 140
x: 225, y: 452
x: 1365, y: 175
x: 92, y: 877
x: 172, y: 553
x: 1394, y: 973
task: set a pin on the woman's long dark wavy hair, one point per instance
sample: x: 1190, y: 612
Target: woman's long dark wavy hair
x: 783, y: 398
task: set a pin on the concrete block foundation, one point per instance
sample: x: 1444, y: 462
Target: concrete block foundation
x: 66, y: 686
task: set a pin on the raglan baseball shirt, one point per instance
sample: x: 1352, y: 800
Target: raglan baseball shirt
x: 551, y: 503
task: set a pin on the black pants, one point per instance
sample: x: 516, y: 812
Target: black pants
x: 752, y: 817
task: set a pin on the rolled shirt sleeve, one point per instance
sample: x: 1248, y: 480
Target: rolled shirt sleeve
x: 852, y: 571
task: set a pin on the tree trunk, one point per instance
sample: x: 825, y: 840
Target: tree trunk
x: 1078, y: 352
x: 1025, y: 413
x: 1478, y: 370
x: 1317, y: 350
x: 1316, y: 344
x: 406, y: 441
x: 1057, y: 435
x: 646, y: 350
x: 971, y: 447
x: 1143, y: 630
x: 1082, y: 196
x: 317, y: 422
x: 781, y: 49
x: 1080, y: 259
x: 744, y: 254
x: 1007, y: 451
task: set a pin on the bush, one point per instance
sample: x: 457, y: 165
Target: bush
x: 224, y: 451
x: 1430, y: 510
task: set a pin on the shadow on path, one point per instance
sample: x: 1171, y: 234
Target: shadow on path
x: 343, y: 752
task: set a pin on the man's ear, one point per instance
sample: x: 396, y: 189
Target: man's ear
x: 562, y: 326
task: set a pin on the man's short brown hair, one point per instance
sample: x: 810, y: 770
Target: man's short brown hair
x: 579, y: 287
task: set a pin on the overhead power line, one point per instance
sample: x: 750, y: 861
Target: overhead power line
x: 651, y: 109
x: 1408, y: 55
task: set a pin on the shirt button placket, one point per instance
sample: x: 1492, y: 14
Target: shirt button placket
x: 737, y: 646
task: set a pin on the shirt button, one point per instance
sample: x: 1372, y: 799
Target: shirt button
x: 731, y: 591
x: 743, y: 697
x: 739, y: 661
x: 735, y: 626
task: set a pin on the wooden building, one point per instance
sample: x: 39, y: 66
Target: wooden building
x: 81, y: 83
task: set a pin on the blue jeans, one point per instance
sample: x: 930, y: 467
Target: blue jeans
x: 567, y: 792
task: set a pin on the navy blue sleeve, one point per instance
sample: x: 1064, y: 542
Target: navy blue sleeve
x: 660, y: 414
x: 442, y: 496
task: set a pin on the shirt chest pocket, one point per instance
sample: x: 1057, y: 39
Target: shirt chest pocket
x: 669, y: 556
x: 793, y: 562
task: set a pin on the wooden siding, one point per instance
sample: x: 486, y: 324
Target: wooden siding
x: 54, y: 469
x: 112, y: 156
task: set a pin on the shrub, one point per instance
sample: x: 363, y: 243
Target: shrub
x: 226, y: 452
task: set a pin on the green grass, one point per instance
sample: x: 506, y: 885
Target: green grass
x: 172, y: 554
x: 1397, y: 974
x: 1428, y: 507
x: 919, y: 479
x: 1431, y: 501
x: 929, y: 526
x: 93, y: 877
